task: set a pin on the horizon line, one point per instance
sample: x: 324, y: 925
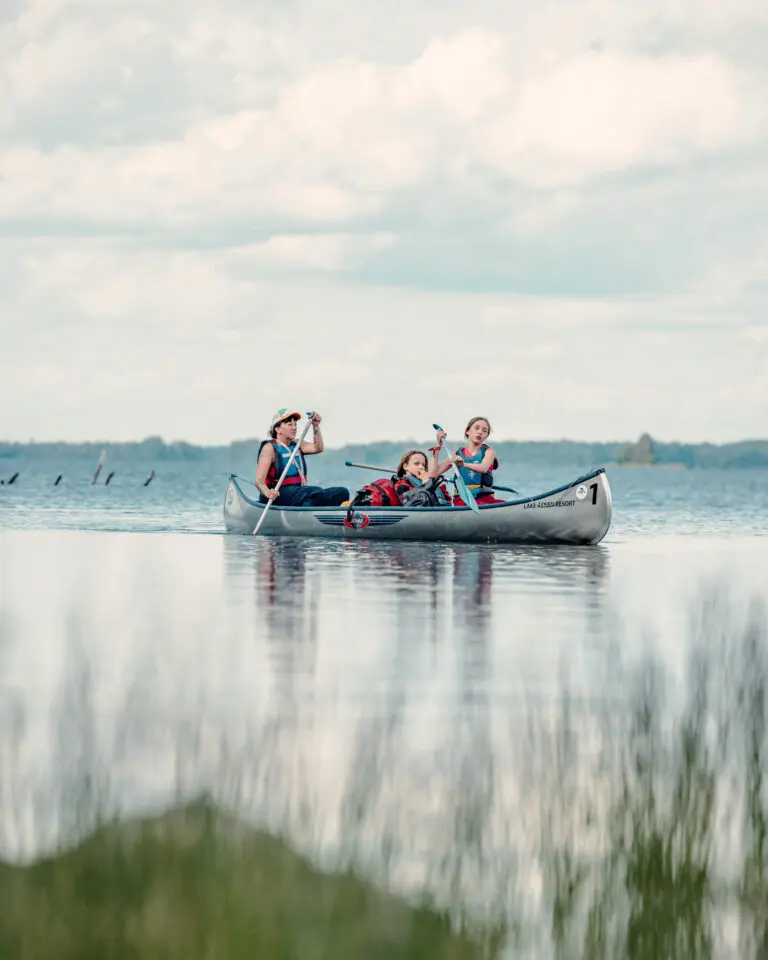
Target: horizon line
x: 363, y: 443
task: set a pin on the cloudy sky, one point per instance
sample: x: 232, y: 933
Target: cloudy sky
x: 553, y: 213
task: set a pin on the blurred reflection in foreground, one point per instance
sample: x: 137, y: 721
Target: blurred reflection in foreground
x: 420, y: 752
x: 194, y: 883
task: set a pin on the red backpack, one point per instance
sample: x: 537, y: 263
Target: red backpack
x: 380, y: 493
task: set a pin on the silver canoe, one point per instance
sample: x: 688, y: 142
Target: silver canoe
x: 578, y: 513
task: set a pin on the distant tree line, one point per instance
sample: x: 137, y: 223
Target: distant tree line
x: 536, y: 453
x: 648, y: 452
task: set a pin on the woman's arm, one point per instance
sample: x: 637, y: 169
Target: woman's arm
x: 266, y: 460
x: 316, y: 445
x: 486, y: 464
x: 438, y: 469
x: 434, y: 466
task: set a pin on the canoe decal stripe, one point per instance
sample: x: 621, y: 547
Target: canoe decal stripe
x: 372, y: 521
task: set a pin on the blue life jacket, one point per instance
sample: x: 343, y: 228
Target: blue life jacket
x: 281, y: 458
x: 473, y: 479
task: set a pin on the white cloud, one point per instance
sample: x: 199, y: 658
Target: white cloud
x: 191, y: 343
x: 758, y: 334
x: 513, y: 202
x: 610, y: 112
x: 346, y: 138
x: 323, y: 252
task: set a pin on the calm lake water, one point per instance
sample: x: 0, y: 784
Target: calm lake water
x: 220, y: 746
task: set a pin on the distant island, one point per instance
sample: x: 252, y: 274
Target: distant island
x: 645, y: 452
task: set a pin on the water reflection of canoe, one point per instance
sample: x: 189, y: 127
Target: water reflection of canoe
x: 578, y: 513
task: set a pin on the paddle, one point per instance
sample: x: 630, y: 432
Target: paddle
x: 368, y: 466
x: 283, y: 475
x: 505, y: 489
x: 464, y: 491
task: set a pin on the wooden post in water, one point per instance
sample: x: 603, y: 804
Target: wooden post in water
x: 102, y: 458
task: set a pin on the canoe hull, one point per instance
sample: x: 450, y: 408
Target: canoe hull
x: 577, y: 513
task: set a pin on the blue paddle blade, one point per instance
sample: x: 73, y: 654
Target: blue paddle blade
x: 464, y: 492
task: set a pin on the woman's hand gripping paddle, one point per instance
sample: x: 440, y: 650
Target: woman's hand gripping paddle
x: 464, y: 491
x: 283, y: 475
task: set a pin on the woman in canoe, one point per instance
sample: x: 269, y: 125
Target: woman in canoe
x: 475, y: 461
x: 274, y: 455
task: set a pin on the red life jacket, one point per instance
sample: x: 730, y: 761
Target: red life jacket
x: 298, y: 467
x: 402, y: 484
x: 380, y: 493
